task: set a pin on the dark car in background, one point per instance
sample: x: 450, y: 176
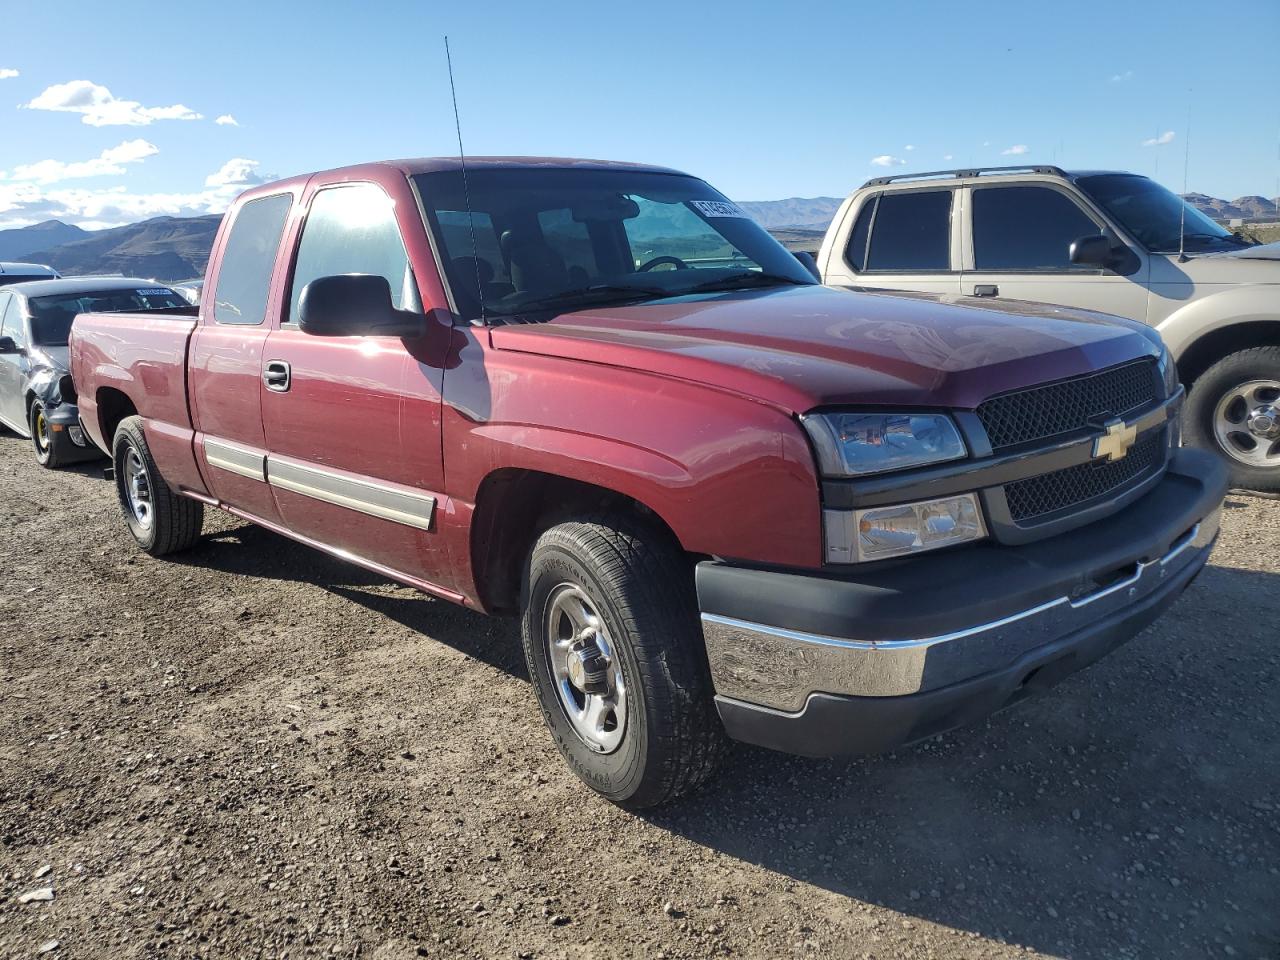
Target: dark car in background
x: 37, y: 397
x: 24, y: 272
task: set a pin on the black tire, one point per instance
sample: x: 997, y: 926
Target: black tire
x: 641, y: 584
x: 44, y: 440
x: 171, y: 522
x: 1233, y: 370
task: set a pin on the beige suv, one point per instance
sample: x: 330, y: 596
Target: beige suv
x: 1113, y: 242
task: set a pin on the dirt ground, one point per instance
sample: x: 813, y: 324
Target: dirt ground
x: 255, y: 751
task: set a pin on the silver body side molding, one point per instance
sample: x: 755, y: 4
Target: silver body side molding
x: 232, y: 457
x: 377, y: 499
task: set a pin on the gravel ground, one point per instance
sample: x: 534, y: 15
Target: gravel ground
x: 253, y: 750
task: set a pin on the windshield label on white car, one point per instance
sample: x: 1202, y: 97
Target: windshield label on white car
x: 718, y: 208
x: 152, y: 293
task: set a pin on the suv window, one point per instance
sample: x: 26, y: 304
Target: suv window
x: 911, y: 230
x: 352, y: 229
x: 244, y: 275
x: 1026, y: 228
x: 856, y: 252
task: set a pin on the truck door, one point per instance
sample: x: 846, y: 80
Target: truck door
x: 1021, y: 235
x: 225, y: 383
x: 353, y: 423
x: 902, y: 240
x: 13, y: 366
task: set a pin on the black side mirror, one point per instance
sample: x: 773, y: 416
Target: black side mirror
x: 1094, y: 250
x: 7, y: 345
x: 809, y: 263
x: 354, y: 305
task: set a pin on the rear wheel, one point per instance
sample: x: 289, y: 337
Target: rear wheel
x: 610, y: 630
x: 160, y: 520
x: 43, y: 438
x: 1233, y: 408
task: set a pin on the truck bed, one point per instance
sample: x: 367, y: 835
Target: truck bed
x: 138, y: 360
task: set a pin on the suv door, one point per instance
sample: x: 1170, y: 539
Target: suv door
x: 902, y: 240
x: 13, y: 366
x: 353, y: 423
x: 226, y: 360
x: 1020, y: 236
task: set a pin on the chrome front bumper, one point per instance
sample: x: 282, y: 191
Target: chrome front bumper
x: 780, y: 669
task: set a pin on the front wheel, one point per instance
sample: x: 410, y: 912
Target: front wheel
x: 1233, y: 408
x: 610, y: 631
x: 161, y: 520
x: 42, y: 437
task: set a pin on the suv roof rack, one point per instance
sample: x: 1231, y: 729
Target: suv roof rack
x: 966, y: 172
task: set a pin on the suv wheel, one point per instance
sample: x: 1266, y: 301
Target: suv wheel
x: 1234, y: 409
x: 610, y: 631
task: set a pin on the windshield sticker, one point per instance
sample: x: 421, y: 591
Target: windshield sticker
x: 719, y: 208
x: 161, y: 292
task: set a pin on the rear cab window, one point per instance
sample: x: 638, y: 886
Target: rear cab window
x: 248, y: 260
x: 907, y: 231
x: 1028, y: 228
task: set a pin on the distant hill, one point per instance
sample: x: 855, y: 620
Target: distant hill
x: 1242, y: 208
x: 21, y: 242
x: 813, y: 214
x: 166, y: 248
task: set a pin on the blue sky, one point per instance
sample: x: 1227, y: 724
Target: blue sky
x: 764, y: 100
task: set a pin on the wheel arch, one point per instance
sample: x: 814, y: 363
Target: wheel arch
x: 1208, y: 348
x: 515, y: 505
x: 113, y: 406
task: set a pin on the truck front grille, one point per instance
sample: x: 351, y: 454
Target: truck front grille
x: 1037, y: 497
x: 1040, y: 413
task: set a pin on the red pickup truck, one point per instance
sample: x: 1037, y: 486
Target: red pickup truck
x: 723, y: 498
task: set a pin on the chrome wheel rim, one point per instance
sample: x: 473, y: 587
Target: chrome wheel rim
x: 582, y: 659
x: 1246, y: 423
x: 137, y: 488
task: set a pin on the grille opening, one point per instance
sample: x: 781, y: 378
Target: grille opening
x: 1054, y: 409
x: 1036, y: 498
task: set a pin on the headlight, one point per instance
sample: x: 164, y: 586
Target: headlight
x: 1169, y: 369
x: 854, y: 444
x: 855, y: 536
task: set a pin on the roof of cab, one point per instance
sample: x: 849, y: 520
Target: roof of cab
x: 438, y: 164
x: 53, y: 288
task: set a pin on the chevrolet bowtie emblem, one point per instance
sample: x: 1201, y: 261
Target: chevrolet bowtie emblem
x: 1115, y: 443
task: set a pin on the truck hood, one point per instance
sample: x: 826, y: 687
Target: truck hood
x: 1232, y: 267
x: 804, y: 347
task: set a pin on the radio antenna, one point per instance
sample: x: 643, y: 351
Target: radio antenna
x: 1186, y: 166
x: 466, y: 186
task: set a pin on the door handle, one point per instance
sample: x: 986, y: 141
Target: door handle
x: 986, y: 290
x: 276, y: 375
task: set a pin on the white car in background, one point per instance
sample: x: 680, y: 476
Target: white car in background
x: 1113, y: 242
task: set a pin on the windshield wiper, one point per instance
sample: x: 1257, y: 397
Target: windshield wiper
x: 744, y: 280
x: 597, y: 291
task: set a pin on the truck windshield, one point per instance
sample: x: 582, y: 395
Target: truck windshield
x: 1154, y: 215
x: 51, y: 316
x: 561, y: 239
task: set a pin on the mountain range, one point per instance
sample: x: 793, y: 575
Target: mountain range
x: 175, y: 248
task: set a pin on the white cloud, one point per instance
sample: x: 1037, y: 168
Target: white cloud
x: 108, y: 163
x: 1166, y: 137
x: 946, y: 156
x: 237, y: 172
x: 909, y: 147
x: 1017, y: 150
x: 7, y: 72
x: 99, y: 107
x: 884, y: 160
x: 1122, y: 77
x: 227, y: 120
x: 986, y: 143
